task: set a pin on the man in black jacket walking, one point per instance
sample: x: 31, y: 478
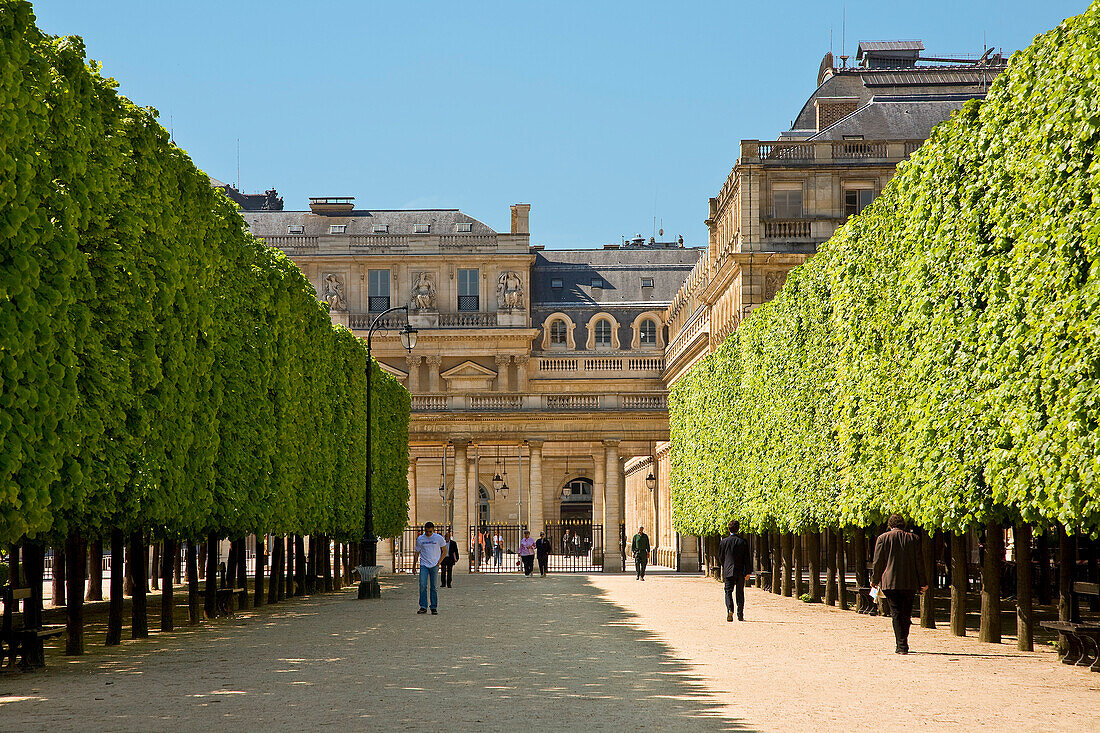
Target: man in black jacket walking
x: 449, y: 561
x: 900, y: 575
x: 733, y: 554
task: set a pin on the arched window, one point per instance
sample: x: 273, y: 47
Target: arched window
x: 558, y: 333
x: 648, y: 332
x: 603, y: 333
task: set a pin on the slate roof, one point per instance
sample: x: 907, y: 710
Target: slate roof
x: 895, y: 118
x: 398, y: 221
x: 865, y: 46
x: 620, y: 270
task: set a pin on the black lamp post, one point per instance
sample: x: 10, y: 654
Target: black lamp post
x: 368, y: 588
x: 651, y: 481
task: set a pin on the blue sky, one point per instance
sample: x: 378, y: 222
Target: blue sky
x: 600, y: 115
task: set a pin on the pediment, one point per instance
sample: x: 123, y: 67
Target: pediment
x: 393, y: 371
x: 467, y: 370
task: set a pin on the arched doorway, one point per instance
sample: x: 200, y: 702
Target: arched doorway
x: 482, y: 506
x: 576, y: 500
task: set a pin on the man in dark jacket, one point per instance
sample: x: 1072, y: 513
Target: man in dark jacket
x: 899, y: 574
x: 448, y: 562
x: 733, y: 554
x: 542, y: 553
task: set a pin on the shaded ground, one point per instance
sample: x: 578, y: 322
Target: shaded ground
x: 561, y: 653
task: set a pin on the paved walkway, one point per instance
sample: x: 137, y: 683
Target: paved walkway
x: 561, y: 653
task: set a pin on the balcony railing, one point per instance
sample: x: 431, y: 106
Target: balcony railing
x: 587, y: 365
x: 780, y: 152
x: 859, y: 149
x: 536, y: 402
x: 467, y: 320
x: 362, y: 321
x: 787, y: 228
x: 292, y: 243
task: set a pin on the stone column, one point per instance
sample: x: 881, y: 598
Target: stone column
x: 612, y: 514
x: 412, y: 492
x: 461, y: 522
x: 413, y: 363
x: 502, y: 361
x: 472, y: 483
x: 597, y: 485
x: 433, y: 372
x: 535, y: 489
x: 521, y: 372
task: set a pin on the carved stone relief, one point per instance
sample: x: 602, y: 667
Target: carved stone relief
x: 773, y: 281
x: 332, y: 291
x: 509, y: 291
x: 423, y: 291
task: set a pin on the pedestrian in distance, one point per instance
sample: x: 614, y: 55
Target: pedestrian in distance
x: 639, y: 547
x: 898, y: 573
x: 733, y: 555
x: 527, y: 553
x: 498, y: 549
x: 542, y: 552
x: 450, y: 559
x: 566, y: 542
x: 429, y: 548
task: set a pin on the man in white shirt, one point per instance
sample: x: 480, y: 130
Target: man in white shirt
x: 430, y: 548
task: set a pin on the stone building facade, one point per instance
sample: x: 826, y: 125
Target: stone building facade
x: 543, y: 367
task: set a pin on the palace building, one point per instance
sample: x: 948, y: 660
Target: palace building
x: 540, y: 377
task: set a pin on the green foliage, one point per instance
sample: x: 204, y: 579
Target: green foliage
x: 940, y: 355
x: 162, y: 370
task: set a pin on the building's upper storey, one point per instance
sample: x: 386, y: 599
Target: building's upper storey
x: 334, y: 226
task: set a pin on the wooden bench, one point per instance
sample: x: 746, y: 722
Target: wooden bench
x: 223, y: 600
x: 22, y: 642
x: 1082, y: 642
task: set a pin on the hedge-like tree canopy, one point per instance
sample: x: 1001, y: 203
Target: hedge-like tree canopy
x: 161, y: 369
x: 940, y: 355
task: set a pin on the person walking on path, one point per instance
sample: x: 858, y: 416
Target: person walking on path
x: 527, y: 553
x: 542, y: 551
x: 566, y: 542
x: 498, y: 549
x: 450, y: 559
x: 898, y: 573
x: 639, y: 546
x: 733, y: 555
x: 430, y: 548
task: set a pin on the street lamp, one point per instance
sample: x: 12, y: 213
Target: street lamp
x: 651, y: 481
x: 368, y: 588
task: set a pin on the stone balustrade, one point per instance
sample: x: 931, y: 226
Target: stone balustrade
x: 536, y: 402
x: 381, y: 243
x: 570, y: 366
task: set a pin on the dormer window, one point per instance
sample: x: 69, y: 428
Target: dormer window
x: 647, y: 282
x: 381, y: 228
x: 421, y: 228
x: 295, y: 229
x: 597, y: 282
x: 647, y: 333
x: 557, y: 333
x: 603, y: 333
x: 464, y: 227
x: 337, y: 228
x: 556, y: 283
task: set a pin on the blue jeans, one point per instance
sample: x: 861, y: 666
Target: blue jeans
x: 498, y: 555
x: 428, y: 576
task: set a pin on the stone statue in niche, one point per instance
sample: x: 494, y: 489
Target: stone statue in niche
x: 423, y: 292
x: 332, y: 292
x: 509, y: 291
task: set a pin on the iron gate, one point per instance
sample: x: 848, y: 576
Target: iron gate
x: 575, y: 547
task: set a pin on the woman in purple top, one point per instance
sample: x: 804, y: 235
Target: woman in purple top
x: 527, y: 553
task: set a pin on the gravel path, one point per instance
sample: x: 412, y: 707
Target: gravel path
x: 561, y: 653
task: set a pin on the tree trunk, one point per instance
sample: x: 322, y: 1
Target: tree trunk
x: 139, y: 608
x: 258, y: 581
x: 300, y: 561
x: 813, y: 539
x: 95, y: 570
x: 1024, y: 618
x: 859, y: 557
x: 118, y: 579
x: 176, y: 572
x: 776, y: 545
x: 788, y: 571
x: 75, y: 550
x: 59, y: 576
x: 154, y: 579
x: 337, y: 575
x: 128, y: 572
x: 799, y: 581
x: 231, y: 564
x: 290, y: 591
x: 841, y: 570
x: 958, y: 584
x: 193, y: 613
x: 326, y: 557
x: 1067, y: 560
x: 13, y: 567
x: 210, y: 603
x: 928, y: 598
x: 311, y: 564
x: 242, y: 572
x: 990, y: 629
x: 202, y: 561
x: 275, y: 585
x: 167, y: 605
x: 830, y: 565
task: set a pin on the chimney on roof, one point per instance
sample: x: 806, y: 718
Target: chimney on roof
x: 331, y: 204
x: 521, y: 218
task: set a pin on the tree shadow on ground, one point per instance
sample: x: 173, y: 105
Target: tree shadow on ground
x: 505, y: 652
